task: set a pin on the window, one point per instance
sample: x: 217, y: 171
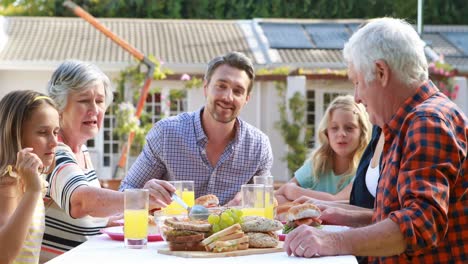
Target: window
x: 317, y: 102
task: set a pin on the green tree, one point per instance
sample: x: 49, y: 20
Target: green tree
x: 29, y: 7
x: 218, y: 8
x: 196, y: 9
x: 435, y: 11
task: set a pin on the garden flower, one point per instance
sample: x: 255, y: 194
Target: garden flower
x: 185, y: 77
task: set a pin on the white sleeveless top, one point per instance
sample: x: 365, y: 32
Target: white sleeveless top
x: 372, y: 179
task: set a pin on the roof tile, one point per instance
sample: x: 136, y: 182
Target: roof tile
x: 194, y: 42
x: 174, y: 41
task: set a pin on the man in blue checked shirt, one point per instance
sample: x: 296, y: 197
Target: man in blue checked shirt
x: 211, y: 146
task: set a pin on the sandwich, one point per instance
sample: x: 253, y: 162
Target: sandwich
x: 209, y: 200
x: 261, y: 231
x: 186, y: 224
x: 262, y: 239
x: 185, y: 240
x: 186, y: 235
x: 231, y: 245
x: 282, y: 211
x: 260, y: 224
x: 303, y: 214
x: 228, y: 239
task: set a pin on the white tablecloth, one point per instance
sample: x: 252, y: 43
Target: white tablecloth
x: 101, y: 249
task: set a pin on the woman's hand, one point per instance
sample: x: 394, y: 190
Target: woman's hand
x: 289, y: 190
x: 304, y: 199
x: 29, y: 166
x: 160, y: 193
x: 318, y: 202
x: 115, y: 220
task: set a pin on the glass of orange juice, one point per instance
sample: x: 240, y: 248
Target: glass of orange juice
x: 136, y: 218
x: 253, y: 199
x: 267, y: 181
x: 185, y: 190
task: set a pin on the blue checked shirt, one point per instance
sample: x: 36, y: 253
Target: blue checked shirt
x: 175, y: 149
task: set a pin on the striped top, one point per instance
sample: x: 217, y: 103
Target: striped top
x: 62, y: 231
x: 32, y: 244
x: 11, y: 188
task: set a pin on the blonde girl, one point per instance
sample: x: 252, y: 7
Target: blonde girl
x: 344, y: 133
x: 29, y: 124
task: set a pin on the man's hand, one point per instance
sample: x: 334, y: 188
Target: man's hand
x: 306, y: 241
x: 333, y: 215
x: 235, y: 201
x: 160, y: 193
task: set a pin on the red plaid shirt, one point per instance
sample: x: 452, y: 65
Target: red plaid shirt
x: 423, y: 185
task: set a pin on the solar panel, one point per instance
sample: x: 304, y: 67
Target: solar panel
x: 328, y: 36
x: 427, y: 41
x: 458, y: 39
x: 286, y: 36
x: 353, y: 27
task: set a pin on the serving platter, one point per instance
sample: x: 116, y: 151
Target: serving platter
x: 205, y: 254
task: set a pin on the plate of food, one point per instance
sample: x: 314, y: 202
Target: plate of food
x: 117, y: 233
x: 195, y: 239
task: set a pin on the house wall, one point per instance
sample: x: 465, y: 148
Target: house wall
x: 21, y: 79
x: 12, y: 80
x: 462, y: 96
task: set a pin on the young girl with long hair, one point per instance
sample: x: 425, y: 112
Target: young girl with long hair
x: 29, y: 124
x: 344, y: 133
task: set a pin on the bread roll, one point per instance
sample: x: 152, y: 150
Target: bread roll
x: 260, y: 224
x: 209, y: 200
x: 282, y: 211
x: 306, y: 210
x: 262, y: 240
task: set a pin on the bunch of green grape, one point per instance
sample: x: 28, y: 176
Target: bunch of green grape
x: 226, y: 219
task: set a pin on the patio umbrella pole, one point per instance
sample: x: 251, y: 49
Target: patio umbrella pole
x: 135, y: 53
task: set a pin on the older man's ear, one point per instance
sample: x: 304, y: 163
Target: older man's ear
x: 382, y: 72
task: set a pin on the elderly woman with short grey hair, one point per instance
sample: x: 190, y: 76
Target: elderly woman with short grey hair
x: 77, y: 205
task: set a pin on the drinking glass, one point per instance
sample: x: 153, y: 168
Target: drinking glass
x: 253, y: 199
x: 136, y: 218
x: 185, y: 190
x: 267, y: 181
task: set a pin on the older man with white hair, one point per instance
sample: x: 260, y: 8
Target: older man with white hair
x: 421, y: 208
